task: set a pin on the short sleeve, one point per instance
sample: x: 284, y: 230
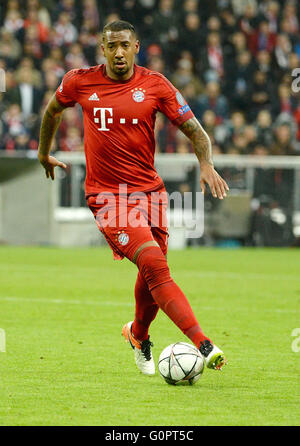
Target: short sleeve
x: 172, y: 103
x: 66, y: 94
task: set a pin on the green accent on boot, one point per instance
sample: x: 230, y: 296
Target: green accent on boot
x: 216, y: 361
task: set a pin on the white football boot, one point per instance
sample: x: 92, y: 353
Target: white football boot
x: 214, y: 357
x: 142, y: 351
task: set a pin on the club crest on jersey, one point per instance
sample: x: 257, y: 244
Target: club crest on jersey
x: 123, y: 238
x: 138, y: 94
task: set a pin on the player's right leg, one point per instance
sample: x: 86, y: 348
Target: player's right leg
x: 142, y: 350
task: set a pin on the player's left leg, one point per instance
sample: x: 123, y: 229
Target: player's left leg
x: 153, y: 266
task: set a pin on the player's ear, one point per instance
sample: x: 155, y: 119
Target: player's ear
x: 103, y: 49
x: 137, y: 47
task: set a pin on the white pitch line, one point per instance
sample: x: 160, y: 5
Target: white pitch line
x: 67, y: 301
x: 129, y: 304
x: 233, y: 275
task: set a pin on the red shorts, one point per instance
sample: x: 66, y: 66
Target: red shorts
x: 128, y: 221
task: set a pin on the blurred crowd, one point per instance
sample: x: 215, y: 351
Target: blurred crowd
x: 232, y: 60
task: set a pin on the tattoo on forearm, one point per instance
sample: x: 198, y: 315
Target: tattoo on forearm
x: 199, y: 139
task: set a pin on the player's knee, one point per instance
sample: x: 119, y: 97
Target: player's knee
x: 153, y: 266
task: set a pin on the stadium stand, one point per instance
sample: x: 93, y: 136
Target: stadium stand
x: 233, y: 60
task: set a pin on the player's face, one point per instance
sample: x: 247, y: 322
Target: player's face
x: 120, y: 48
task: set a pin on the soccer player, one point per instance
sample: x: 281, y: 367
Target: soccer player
x: 119, y: 100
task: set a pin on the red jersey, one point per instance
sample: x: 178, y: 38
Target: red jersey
x: 119, y: 120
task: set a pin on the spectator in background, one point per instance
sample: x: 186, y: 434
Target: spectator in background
x: 183, y: 145
x: 284, y: 102
x: 75, y: 57
x: 14, y: 121
x: 262, y: 39
x: 190, y: 7
x: 213, y: 100
x: 32, y: 20
x: 271, y: 13
x: 264, y: 64
x: 229, y: 24
x: 261, y: 94
x: 236, y: 125
x: 165, y: 28
x: 90, y: 14
x: 287, y: 28
x: 10, y: 48
x: 241, y: 8
x: 33, y: 47
x: 23, y: 141
x: 26, y: 63
x: 282, y: 51
x: 238, y: 78
x: 209, y: 123
x: 89, y: 41
x: 283, y: 144
x: 290, y: 16
x: 189, y: 91
x: 51, y: 80
x: 64, y: 32
x: 249, y: 19
x: 184, y: 75
x: 212, y: 59
x: 156, y: 63
x: 42, y: 12
x: 250, y: 136
x: 294, y: 62
x: 57, y: 55
x: 28, y: 97
x: 69, y: 7
x: 192, y: 35
x: 50, y: 64
x: 14, y: 22
x: 260, y: 150
x: 264, y: 128
x: 239, y: 43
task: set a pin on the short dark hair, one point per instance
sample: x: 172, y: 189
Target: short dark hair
x: 118, y: 25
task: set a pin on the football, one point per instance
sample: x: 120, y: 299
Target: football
x: 181, y: 363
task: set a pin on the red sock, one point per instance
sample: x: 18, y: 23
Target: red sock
x: 154, y: 268
x: 145, y: 309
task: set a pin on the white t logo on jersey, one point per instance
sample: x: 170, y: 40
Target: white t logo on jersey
x: 106, y: 117
x: 103, y: 120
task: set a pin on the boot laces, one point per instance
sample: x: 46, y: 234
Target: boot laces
x: 205, y: 348
x: 146, y: 349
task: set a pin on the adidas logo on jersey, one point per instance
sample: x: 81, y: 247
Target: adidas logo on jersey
x: 94, y: 97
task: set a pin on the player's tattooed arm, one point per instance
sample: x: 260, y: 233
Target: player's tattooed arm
x: 199, y: 138
x: 50, y: 123
x: 203, y: 150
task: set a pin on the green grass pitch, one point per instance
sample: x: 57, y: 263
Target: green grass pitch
x: 66, y: 363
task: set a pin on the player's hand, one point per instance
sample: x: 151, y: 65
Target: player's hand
x: 208, y: 175
x: 49, y: 163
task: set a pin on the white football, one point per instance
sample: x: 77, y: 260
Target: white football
x: 181, y: 362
